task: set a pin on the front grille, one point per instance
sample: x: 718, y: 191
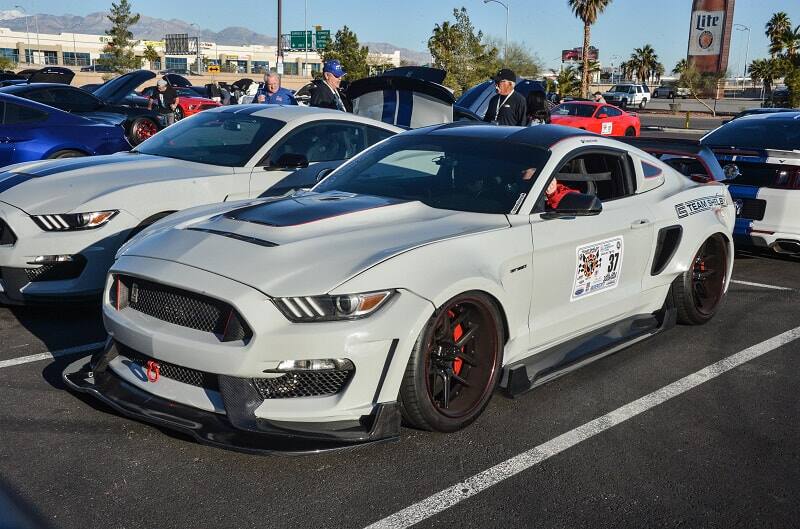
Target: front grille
x: 7, y: 235
x: 179, y: 307
x: 303, y: 384
x: 751, y: 208
x: 192, y: 377
x: 57, y: 271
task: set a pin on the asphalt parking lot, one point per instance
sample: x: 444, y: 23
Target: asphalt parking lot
x: 723, y: 453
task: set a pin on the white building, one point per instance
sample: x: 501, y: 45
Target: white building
x: 75, y: 49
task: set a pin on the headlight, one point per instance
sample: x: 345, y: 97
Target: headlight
x: 73, y: 221
x: 332, y: 308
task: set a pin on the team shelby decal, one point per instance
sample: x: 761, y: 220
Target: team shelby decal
x: 599, y: 265
x: 698, y: 205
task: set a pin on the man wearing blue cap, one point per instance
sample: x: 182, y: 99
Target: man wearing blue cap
x: 326, y: 92
x: 271, y: 93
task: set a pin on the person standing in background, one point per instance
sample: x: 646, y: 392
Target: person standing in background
x: 507, y: 107
x: 271, y: 93
x: 165, y: 101
x: 327, y: 92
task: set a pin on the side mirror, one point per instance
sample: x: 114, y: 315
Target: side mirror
x: 289, y: 161
x: 602, y: 116
x: 576, y: 205
x: 325, y: 172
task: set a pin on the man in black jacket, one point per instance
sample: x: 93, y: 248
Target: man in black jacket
x: 327, y: 93
x: 507, y: 107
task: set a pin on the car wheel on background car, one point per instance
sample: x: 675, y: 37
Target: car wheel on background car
x: 67, y: 153
x: 179, y: 114
x: 630, y: 131
x: 697, y: 293
x: 141, y: 129
x: 454, y: 366
x: 642, y: 104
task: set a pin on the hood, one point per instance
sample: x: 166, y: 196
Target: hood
x: 423, y: 73
x: 52, y: 74
x: 63, y: 186
x: 116, y: 90
x: 107, y: 118
x: 177, y: 80
x: 308, y: 244
x: 402, y: 101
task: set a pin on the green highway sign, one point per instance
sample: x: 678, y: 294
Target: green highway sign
x: 323, y: 38
x: 300, y: 40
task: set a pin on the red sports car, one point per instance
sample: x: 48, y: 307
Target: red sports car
x: 601, y: 118
x: 189, y: 101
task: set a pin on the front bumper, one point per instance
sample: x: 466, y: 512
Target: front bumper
x: 238, y: 428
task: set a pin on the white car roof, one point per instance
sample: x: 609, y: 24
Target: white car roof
x: 292, y: 113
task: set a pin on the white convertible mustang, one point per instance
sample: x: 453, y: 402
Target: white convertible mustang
x: 62, y: 221
x: 409, y: 283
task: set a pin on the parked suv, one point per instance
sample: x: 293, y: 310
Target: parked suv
x: 671, y: 91
x: 624, y: 95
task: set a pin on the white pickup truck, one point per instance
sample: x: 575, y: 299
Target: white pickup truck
x: 628, y: 95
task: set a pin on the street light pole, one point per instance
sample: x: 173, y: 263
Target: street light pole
x: 505, y: 47
x: 28, y: 33
x: 742, y: 27
x: 198, y: 60
x: 280, y: 47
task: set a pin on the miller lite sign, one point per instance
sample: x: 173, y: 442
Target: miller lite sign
x: 710, y: 35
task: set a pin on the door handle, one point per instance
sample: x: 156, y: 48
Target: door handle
x: 641, y: 223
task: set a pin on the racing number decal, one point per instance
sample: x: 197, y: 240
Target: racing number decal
x: 606, y: 128
x: 598, y: 267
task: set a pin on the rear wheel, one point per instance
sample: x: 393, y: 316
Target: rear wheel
x: 630, y: 131
x: 642, y: 104
x: 698, y: 292
x: 455, y: 365
x: 68, y: 153
x: 141, y: 129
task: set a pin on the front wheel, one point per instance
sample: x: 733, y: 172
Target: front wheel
x: 454, y: 366
x: 630, y: 131
x: 141, y: 129
x: 698, y: 292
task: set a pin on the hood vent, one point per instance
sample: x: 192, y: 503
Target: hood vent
x: 238, y: 237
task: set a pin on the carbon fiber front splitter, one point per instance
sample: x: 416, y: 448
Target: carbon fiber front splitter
x: 240, y: 429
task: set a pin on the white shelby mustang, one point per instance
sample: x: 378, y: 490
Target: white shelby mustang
x: 411, y: 282
x: 62, y: 221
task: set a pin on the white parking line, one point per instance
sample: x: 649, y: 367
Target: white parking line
x: 51, y: 354
x: 492, y: 476
x: 759, y: 285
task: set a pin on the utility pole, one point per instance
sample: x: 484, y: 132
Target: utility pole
x: 280, y: 44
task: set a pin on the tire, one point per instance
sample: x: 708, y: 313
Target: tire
x: 67, y: 153
x: 630, y: 131
x: 149, y: 221
x: 179, y: 114
x: 140, y: 130
x: 698, y: 292
x: 655, y: 95
x: 461, y: 349
x: 642, y: 104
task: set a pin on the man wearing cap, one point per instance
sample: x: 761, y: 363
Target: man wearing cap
x: 507, y: 107
x: 166, y: 101
x: 271, y: 93
x: 326, y: 92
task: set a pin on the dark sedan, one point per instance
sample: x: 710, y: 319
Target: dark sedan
x: 113, y: 97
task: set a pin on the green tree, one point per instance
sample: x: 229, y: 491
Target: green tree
x: 644, y: 63
x: 766, y: 71
x: 150, y: 54
x: 7, y: 64
x: 680, y: 66
x: 569, y: 83
x: 461, y: 51
x: 520, y: 59
x: 777, y: 26
x: 700, y: 84
x: 346, y: 49
x: 588, y: 11
x: 792, y: 81
x: 119, y: 49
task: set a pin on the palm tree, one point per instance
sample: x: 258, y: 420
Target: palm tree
x: 790, y: 41
x: 659, y: 72
x: 645, y: 62
x: 766, y: 71
x: 680, y: 66
x: 567, y: 79
x: 587, y: 11
x: 775, y: 28
x: 594, y: 67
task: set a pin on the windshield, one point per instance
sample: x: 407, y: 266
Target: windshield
x: 463, y: 174
x: 218, y: 138
x: 621, y: 88
x: 574, y: 109
x: 759, y: 133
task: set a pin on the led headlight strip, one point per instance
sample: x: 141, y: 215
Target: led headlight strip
x: 332, y: 308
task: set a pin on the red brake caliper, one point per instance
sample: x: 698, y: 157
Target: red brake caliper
x: 458, y: 332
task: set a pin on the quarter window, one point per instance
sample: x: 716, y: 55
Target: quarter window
x: 19, y: 115
x: 323, y: 142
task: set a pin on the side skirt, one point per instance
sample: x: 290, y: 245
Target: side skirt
x: 522, y: 376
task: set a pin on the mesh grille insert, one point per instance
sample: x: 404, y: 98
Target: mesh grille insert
x: 179, y: 307
x: 303, y: 384
x: 192, y: 377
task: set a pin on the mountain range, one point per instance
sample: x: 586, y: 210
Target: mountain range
x: 150, y: 28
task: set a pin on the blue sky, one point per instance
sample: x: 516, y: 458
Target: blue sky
x: 545, y: 26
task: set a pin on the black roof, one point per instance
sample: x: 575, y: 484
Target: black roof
x: 22, y: 88
x: 539, y: 136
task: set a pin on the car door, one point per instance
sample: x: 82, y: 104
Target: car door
x: 588, y: 271
x: 614, y: 117
x: 20, y: 133
x: 321, y: 144
x: 605, y: 121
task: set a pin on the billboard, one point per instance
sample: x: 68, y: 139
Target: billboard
x: 576, y: 54
x: 177, y: 44
x: 710, y: 35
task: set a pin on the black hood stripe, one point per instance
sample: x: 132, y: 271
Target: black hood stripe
x: 310, y: 207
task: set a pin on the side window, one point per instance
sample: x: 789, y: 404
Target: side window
x: 374, y: 135
x: 323, y: 142
x: 19, y: 115
x: 46, y: 97
x: 612, y: 112
x: 603, y: 174
x: 76, y: 100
